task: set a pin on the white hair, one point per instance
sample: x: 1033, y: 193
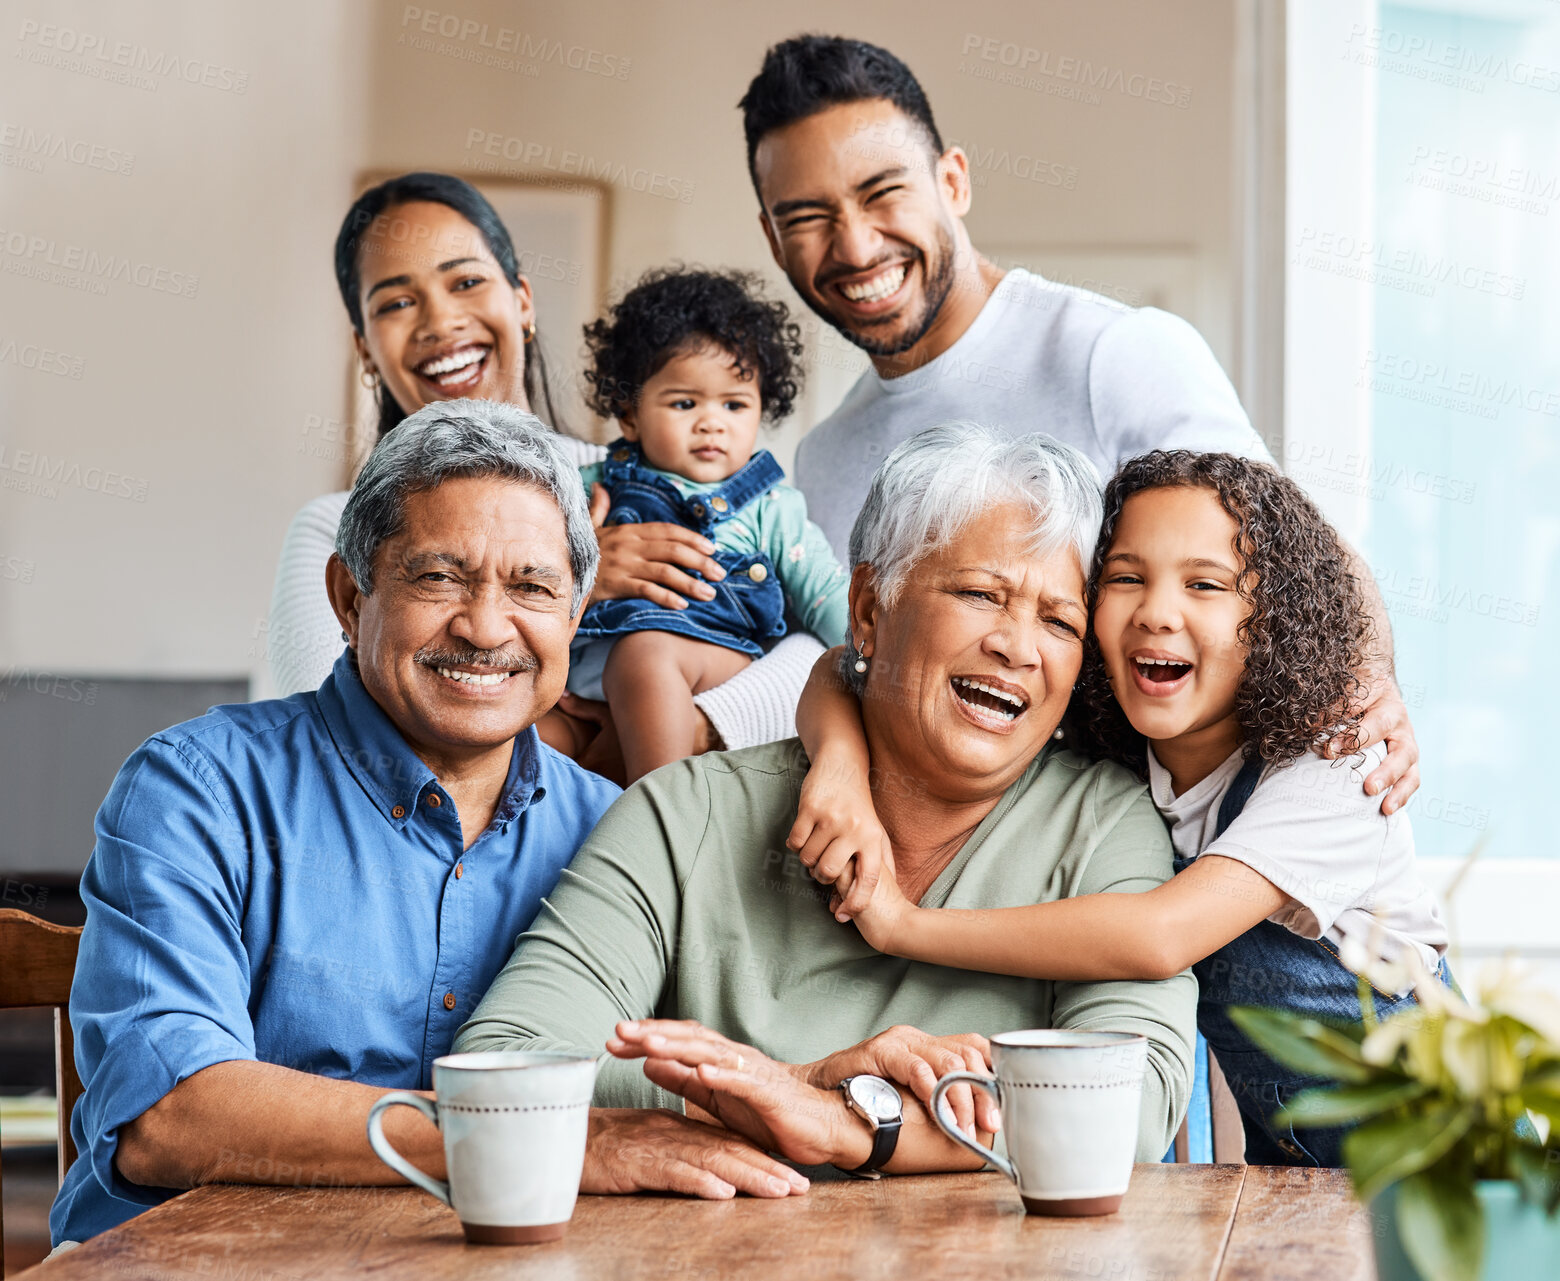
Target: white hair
x: 942, y: 479
x: 453, y: 438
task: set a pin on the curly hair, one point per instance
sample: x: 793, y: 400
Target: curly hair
x: 673, y: 309
x: 1308, y: 632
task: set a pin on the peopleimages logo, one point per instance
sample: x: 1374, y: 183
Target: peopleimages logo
x: 76, y: 265
x: 92, y: 54
x: 477, y: 42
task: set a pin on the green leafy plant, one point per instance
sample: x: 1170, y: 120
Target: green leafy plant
x: 1437, y: 1097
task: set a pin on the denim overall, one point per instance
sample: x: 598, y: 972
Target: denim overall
x: 749, y: 604
x: 1271, y: 966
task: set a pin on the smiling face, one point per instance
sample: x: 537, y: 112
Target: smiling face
x: 865, y: 221
x: 465, y: 639
x: 697, y: 416
x: 972, y: 667
x: 1167, y: 619
x: 439, y: 319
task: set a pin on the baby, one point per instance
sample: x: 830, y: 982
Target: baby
x: 689, y: 363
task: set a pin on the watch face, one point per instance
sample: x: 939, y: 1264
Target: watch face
x: 876, y: 1097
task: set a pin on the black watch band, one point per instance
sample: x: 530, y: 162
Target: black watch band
x: 884, y: 1140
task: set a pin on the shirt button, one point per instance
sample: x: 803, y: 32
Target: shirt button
x: 757, y: 573
x: 449, y: 1000
x: 398, y: 812
x: 460, y: 870
x: 433, y: 800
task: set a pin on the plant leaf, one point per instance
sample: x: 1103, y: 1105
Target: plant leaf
x: 1441, y: 1224
x: 1347, y: 1103
x: 1538, y: 1172
x: 1389, y: 1149
x: 1305, y: 1045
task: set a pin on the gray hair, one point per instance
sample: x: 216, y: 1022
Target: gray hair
x: 943, y: 478
x: 456, y: 438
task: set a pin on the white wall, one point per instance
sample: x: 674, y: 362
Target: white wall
x: 200, y: 402
x: 204, y: 402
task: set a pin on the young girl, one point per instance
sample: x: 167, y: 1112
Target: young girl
x: 688, y: 363
x: 1226, y: 631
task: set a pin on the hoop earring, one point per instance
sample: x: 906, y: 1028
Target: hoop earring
x: 369, y: 377
x: 529, y: 332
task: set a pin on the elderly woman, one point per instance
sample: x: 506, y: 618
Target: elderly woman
x: 967, y: 615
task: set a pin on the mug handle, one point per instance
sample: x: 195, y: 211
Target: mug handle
x: 986, y: 1083
x: 392, y: 1158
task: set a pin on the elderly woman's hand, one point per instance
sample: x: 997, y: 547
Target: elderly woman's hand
x: 917, y: 1060
x: 651, y: 560
x: 768, y: 1102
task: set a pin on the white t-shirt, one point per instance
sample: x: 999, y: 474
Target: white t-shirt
x: 1311, y: 830
x: 1111, y: 380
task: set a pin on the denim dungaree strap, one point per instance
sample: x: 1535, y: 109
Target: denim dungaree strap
x: 1274, y: 967
x: 749, y: 603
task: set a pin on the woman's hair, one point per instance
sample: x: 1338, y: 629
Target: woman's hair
x: 673, y: 310
x: 454, y: 438
x: 470, y: 204
x: 1306, y: 637
x: 945, y: 478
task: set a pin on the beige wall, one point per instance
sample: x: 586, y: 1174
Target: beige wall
x: 204, y: 402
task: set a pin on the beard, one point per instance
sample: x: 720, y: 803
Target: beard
x: 938, y: 274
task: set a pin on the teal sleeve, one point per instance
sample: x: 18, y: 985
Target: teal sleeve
x: 1133, y: 855
x: 602, y: 947
x: 815, y: 583
x: 591, y: 474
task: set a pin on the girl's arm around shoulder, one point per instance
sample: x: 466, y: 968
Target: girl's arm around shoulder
x: 1103, y: 933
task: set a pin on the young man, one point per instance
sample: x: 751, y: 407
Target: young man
x: 863, y: 207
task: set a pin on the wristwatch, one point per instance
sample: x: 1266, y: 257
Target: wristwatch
x: 877, y: 1103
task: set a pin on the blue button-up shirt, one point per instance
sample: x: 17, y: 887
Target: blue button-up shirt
x: 284, y: 881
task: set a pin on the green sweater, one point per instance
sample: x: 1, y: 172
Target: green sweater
x: 684, y: 903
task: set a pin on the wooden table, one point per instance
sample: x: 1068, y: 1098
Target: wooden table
x: 1178, y: 1223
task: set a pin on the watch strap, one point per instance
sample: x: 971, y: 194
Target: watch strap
x: 885, y: 1138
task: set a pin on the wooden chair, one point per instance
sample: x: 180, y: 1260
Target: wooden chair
x: 1212, y: 1129
x: 37, y: 963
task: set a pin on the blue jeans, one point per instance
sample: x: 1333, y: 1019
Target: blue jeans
x: 749, y: 603
x: 1273, y: 967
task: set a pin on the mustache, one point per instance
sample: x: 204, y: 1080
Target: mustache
x: 506, y: 659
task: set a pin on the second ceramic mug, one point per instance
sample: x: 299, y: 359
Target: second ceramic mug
x: 514, y: 1125
x: 1070, y: 1104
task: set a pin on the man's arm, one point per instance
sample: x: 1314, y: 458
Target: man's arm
x: 1386, y: 715
x: 260, y: 1123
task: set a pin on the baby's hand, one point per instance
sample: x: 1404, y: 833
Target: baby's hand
x: 883, y: 915
x: 836, y: 828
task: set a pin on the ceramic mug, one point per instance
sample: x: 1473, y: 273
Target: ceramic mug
x: 514, y: 1127
x: 1070, y: 1104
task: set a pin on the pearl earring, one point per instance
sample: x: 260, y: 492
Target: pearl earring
x: 1057, y: 733
x: 861, y: 665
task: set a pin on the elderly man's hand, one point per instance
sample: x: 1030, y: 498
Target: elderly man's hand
x: 1386, y: 721
x: 653, y: 1150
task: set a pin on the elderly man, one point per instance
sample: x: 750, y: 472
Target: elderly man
x: 294, y: 904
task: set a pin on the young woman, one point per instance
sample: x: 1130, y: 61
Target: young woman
x: 1226, y: 632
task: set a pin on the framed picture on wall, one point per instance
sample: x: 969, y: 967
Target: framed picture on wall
x: 561, y: 229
